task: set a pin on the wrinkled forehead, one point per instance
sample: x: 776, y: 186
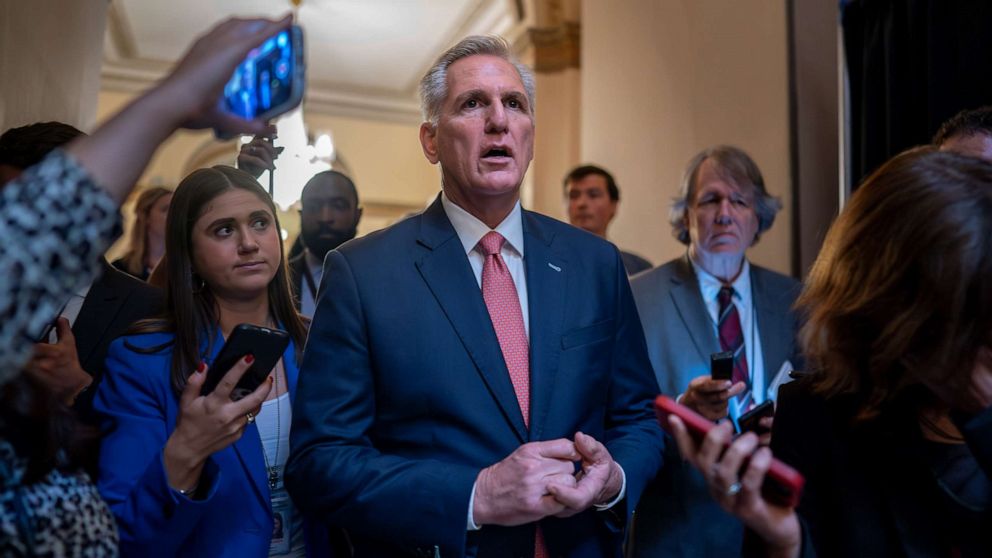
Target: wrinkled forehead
x: 714, y: 177
x: 482, y: 72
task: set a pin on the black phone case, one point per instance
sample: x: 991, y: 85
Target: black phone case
x: 722, y: 365
x: 748, y: 422
x: 267, y: 346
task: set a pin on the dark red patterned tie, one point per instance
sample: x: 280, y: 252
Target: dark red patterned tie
x: 732, y: 337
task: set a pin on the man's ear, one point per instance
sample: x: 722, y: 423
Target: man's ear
x: 428, y: 141
x: 358, y: 214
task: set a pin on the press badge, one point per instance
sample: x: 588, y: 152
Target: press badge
x: 282, y: 523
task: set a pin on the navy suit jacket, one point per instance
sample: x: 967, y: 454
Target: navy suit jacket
x: 114, y: 302
x: 139, y: 411
x: 677, y: 517
x: 405, y: 397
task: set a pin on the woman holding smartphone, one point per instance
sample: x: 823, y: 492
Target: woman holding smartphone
x: 201, y: 475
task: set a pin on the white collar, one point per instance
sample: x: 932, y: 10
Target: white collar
x: 470, y: 229
x: 709, y: 285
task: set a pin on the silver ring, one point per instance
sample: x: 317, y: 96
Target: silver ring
x: 734, y: 489
x: 251, y: 419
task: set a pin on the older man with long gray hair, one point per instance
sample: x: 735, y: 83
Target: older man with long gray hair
x: 712, y: 300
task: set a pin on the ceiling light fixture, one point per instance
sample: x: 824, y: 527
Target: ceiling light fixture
x: 302, y: 158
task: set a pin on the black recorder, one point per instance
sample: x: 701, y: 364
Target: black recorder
x: 267, y: 346
x: 750, y: 421
x: 722, y: 365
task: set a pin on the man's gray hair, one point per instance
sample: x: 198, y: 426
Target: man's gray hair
x: 434, y: 84
x: 734, y: 165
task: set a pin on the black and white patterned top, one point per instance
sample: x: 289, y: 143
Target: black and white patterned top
x: 60, y: 516
x: 55, y: 223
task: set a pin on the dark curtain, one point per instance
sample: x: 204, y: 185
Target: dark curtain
x: 912, y: 64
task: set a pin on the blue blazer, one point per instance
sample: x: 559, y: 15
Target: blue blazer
x: 138, y: 410
x: 405, y: 396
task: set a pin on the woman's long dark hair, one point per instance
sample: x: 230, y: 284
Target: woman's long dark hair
x: 191, y: 312
x: 900, y: 297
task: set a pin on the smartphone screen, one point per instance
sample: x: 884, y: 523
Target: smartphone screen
x: 268, y: 78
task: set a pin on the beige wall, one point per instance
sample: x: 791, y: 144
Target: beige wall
x: 661, y: 80
x: 50, y: 54
x: 557, y: 138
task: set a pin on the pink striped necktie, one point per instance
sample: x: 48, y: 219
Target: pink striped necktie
x: 501, y: 298
x: 503, y: 304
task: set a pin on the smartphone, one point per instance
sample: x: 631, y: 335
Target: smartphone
x: 45, y: 336
x: 267, y: 346
x: 783, y: 484
x: 751, y: 420
x: 722, y: 365
x: 271, y: 79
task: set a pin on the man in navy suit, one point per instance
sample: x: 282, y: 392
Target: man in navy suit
x: 455, y: 399
x: 722, y: 209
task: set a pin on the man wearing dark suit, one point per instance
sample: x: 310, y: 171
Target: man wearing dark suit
x: 93, y: 316
x: 455, y: 400
x: 722, y: 210
x: 593, y: 198
x: 329, y: 216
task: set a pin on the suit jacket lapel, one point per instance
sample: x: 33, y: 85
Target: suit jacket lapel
x: 446, y: 271
x: 546, y: 301
x: 689, y: 303
x: 102, y: 304
x: 774, y: 326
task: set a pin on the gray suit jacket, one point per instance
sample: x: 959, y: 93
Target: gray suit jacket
x: 676, y: 516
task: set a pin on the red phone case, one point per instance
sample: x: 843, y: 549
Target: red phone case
x: 783, y: 484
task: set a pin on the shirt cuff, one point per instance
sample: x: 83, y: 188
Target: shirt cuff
x: 470, y: 525
x: 620, y: 495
